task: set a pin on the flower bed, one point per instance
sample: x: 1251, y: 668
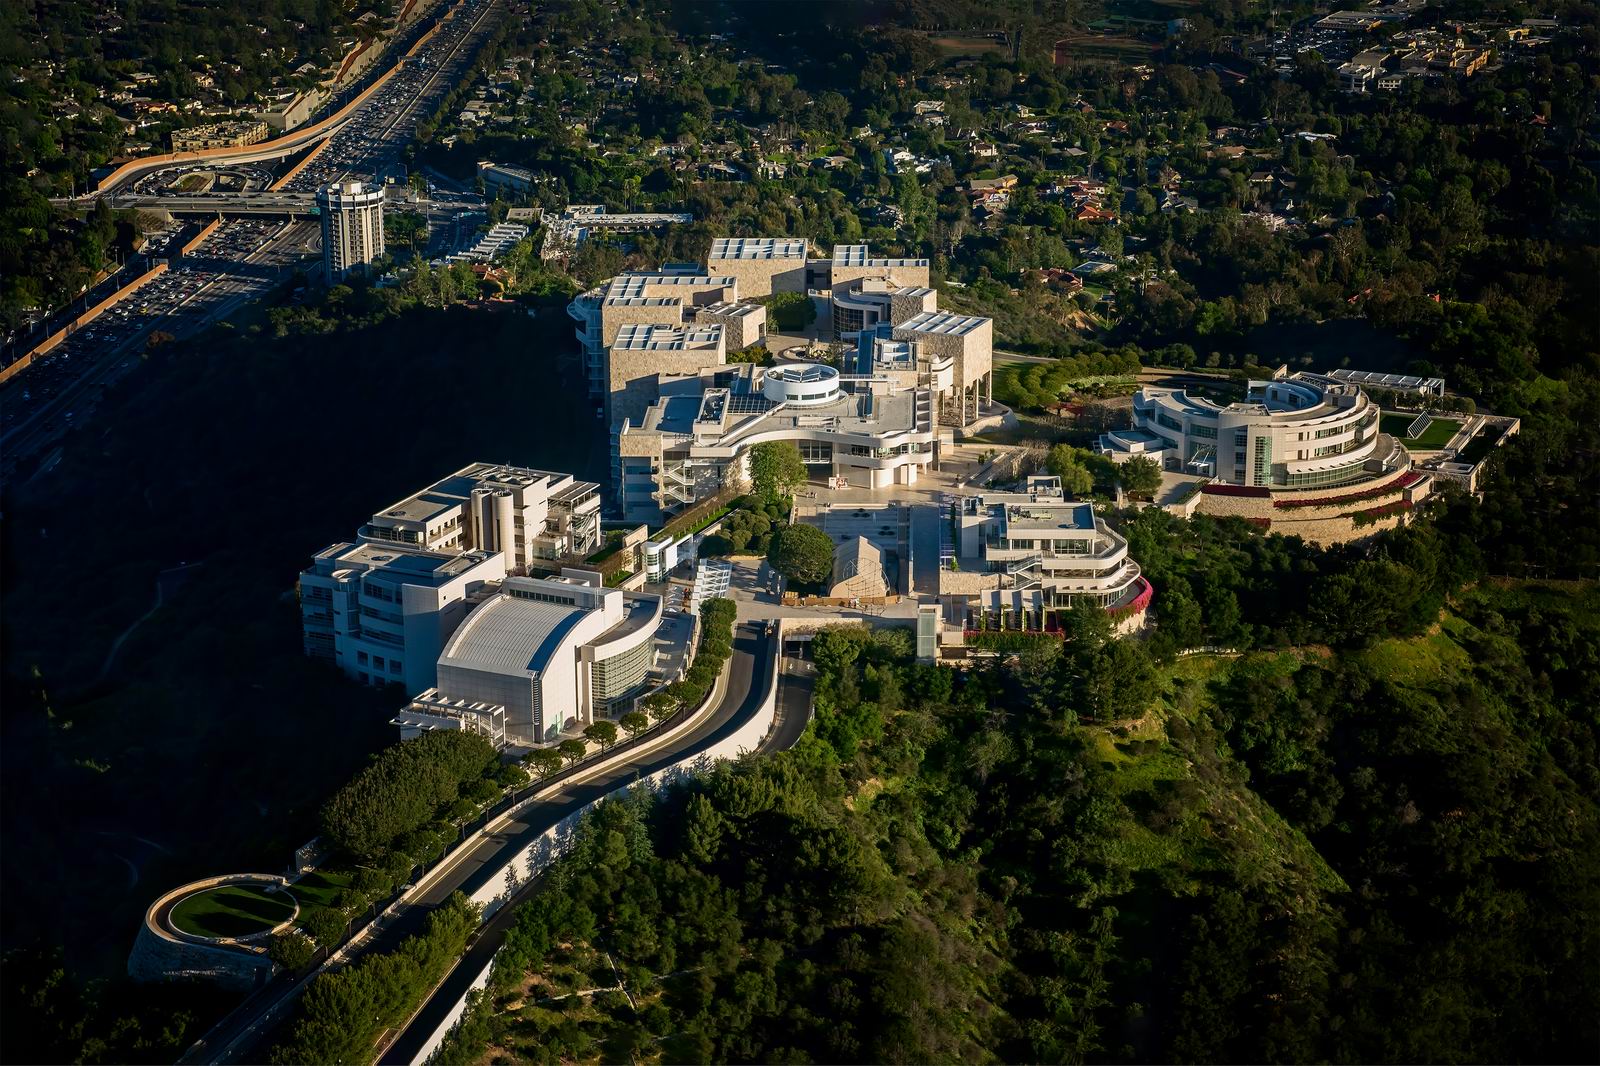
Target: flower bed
x: 1335, y: 501
x: 1254, y: 491
x: 1378, y: 514
x: 1399, y: 484
x: 1140, y: 602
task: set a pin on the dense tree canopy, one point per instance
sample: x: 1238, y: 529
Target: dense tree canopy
x: 404, y: 789
x: 802, y: 553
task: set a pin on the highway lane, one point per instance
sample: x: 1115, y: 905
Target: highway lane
x: 286, y: 144
x: 751, y: 674
x: 795, y: 690
x: 178, y: 305
x: 371, y: 138
x: 252, y: 1029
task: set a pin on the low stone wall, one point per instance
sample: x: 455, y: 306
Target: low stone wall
x: 967, y: 582
x: 162, y: 952
x: 1324, y: 525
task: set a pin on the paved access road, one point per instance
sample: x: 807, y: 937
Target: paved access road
x: 247, y: 1034
x: 753, y: 659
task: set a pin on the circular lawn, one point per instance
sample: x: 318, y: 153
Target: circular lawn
x: 233, y: 911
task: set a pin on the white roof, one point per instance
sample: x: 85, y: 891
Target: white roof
x: 757, y: 248
x: 510, y: 635
x: 942, y: 322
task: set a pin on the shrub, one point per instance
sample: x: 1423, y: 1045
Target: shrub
x: 802, y: 553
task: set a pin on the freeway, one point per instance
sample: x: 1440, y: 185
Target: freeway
x: 267, y: 202
x: 62, y: 389
x: 249, y: 1032
x: 308, y: 135
x: 57, y: 392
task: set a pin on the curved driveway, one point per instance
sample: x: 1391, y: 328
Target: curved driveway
x: 752, y: 663
x: 250, y: 1031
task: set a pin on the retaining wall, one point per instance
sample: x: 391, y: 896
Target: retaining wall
x: 1324, y: 525
x: 555, y: 842
x: 200, y: 238
x: 50, y: 343
x: 163, y: 953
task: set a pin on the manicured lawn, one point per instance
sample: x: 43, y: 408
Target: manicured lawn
x: 232, y: 910
x: 1436, y: 436
x: 321, y: 887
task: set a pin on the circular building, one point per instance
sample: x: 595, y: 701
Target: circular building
x: 1302, y: 455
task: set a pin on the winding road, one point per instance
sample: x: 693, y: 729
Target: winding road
x: 247, y: 1033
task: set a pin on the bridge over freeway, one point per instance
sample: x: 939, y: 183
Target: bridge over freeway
x: 291, y: 204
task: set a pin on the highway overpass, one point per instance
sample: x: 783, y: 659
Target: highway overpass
x: 291, y: 204
x: 282, y: 204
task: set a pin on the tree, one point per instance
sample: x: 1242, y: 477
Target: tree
x: 662, y: 705
x: 404, y: 789
x: 802, y: 553
x: 291, y: 950
x: 542, y: 762
x: 634, y: 723
x: 572, y: 750
x: 1140, y: 476
x: 602, y: 733
x: 323, y: 924
x: 1063, y: 462
x: 776, y: 469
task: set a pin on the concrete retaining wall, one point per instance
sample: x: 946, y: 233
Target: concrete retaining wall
x: 200, y: 238
x: 457, y: 1012
x: 558, y: 839
x: 50, y: 343
x: 163, y: 953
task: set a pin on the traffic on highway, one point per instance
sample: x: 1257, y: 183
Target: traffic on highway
x: 242, y: 260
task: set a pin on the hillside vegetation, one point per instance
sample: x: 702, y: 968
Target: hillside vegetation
x: 1381, y: 852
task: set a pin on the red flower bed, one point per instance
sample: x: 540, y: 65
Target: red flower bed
x: 1390, y: 489
x: 1140, y: 602
x: 1255, y: 491
x: 1377, y: 514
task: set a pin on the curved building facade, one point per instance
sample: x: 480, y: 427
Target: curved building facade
x: 1303, y: 432
x: 871, y: 431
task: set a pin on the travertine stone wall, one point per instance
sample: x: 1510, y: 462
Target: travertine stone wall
x: 157, y: 959
x: 631, y: 377
x: 1323, y: 525
x: 614, y: 316
x: 902, y: 308
x: 761, y: 277
x: 910, y: 273
x: 739, y: 330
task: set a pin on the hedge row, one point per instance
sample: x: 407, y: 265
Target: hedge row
x: 716, y: 645
x: 343, y: 1013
